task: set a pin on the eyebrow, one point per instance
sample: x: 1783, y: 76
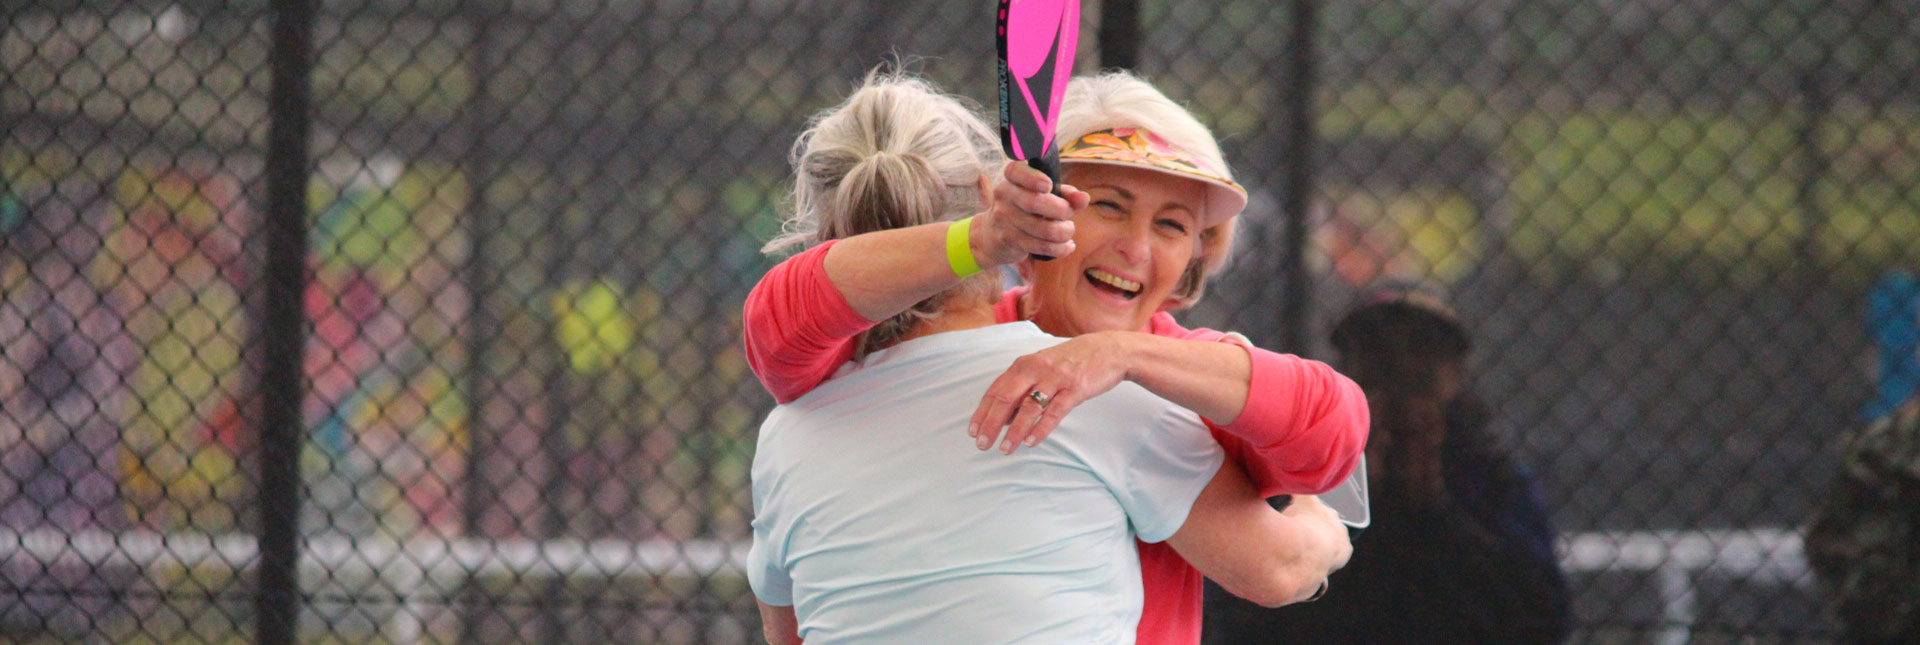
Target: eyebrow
x: 1124, y: 193
x: 1128, y: 195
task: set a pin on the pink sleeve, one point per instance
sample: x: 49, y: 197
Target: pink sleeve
x: 1303, y: 427
x: 798, y: 327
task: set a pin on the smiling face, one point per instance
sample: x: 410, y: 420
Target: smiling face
x: 1132, y: 243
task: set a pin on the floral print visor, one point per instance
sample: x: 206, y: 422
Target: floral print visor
x: 1144, y: 149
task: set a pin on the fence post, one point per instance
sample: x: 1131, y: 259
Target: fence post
x: 1120, y: 34
x: 480, y: 115
x: 1296, y: 176
x: 277, y: 606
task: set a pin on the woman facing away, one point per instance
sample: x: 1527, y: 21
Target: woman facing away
x: 1145, y: 214
x: 872, y: 522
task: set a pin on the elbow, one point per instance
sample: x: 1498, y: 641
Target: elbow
x: 1281, y: 578
x: 1351, y: 421
x: 1277, y: 589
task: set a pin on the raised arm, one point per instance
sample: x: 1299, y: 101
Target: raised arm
x: 1269, y: 557
x: 801, y: 317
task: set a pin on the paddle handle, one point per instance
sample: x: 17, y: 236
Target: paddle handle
x: 1048, y: 163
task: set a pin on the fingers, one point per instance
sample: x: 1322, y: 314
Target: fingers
x: 1076, y: 198
x: 1026, y: 421
x: 1014, y: 230
x: 1020, y: 174
x: 1032, y: 192
x: 1009, y: 405
x: 1056, y: 410
x: 1022, y: 425
x: 995, y: 411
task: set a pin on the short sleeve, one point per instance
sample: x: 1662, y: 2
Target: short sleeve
x: 1173, y: 458
x: 766, y: 566
x: 767, y: 571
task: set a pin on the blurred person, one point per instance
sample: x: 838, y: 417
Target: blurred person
x: 1460, y: 549
x: 1145, y: 214
x: 64, y: 358
x: 874, y: 524
x: 1864, y: 543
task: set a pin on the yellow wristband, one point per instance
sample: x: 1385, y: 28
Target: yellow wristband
x: 960, y: 249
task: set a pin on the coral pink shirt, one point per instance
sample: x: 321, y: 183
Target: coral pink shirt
x: 1301, y: 430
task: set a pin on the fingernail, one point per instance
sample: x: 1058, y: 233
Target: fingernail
x: 1032, y: 441
x: 1007, y: 446
x: 981, y: 443
x: 973, y: 430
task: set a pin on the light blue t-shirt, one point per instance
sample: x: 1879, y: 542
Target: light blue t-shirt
x: 878, y: 521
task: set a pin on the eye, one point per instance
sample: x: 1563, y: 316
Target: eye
x: 1172, y: 226
x: 1109, y: 207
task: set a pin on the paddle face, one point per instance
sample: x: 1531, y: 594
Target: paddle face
x: 1036, y: 39
x: 1349, y: 499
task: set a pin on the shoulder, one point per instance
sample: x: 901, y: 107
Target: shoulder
x: 1165, y: 326
x: 1134, y: 410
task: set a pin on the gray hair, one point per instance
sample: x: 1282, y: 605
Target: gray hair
x: 896, y: 153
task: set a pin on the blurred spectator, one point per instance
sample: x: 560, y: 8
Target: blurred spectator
x: 1459, y: 550
x: 1865, y: 544
x: 64, y: 358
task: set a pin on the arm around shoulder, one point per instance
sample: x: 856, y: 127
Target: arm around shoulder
x: 797, y: 326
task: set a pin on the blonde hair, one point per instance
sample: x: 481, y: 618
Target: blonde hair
x: 896, y: 153
x: 1118, y: 99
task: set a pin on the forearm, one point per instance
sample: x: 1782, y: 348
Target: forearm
x: 1209, y: 378
x: 779, y: 625
x: 885, y: 272
x: 1254, y: 552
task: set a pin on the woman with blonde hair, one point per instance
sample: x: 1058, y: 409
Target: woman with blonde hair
x: 1144, y: 215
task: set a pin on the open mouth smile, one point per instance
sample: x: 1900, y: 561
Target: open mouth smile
x: 1110, y: 283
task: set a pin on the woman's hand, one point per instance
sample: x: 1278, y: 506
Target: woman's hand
x: 1025, y: 218
x: 1326, y: 523
x: 1066, y: 375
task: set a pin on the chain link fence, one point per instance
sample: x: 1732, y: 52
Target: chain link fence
x: 521, y: 231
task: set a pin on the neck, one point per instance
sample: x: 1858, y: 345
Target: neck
x: 953, y: 320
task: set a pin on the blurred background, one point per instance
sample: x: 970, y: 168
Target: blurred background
x: 521, y: 232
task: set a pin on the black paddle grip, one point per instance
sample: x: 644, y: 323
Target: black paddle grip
x: 1048, y: 163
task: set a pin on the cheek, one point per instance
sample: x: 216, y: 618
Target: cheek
x: 1088, y: 229
x: 1053, y: 274
x: 1171, y: 260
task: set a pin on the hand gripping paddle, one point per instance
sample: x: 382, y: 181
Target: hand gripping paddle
x: 1037, y: 39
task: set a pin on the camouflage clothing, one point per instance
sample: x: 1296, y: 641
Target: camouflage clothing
x: 1865, y: 545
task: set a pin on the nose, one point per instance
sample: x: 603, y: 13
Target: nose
x: 1134, y: 245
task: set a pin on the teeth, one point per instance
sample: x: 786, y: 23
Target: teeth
x: 1122, y: 283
